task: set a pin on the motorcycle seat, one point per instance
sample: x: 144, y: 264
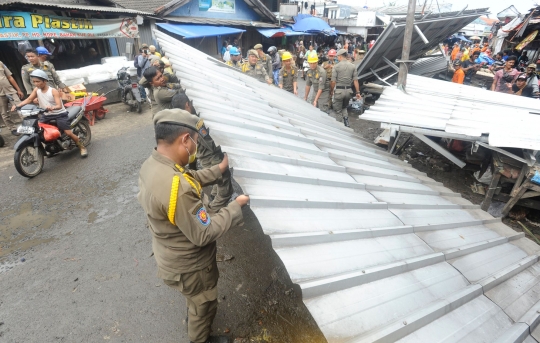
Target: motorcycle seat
x: 73, y: 111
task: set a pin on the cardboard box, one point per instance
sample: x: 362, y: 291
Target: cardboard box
x: 67, y: 97
x: 77, y: 88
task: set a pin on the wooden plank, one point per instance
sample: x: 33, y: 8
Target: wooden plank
x: 529, y: 203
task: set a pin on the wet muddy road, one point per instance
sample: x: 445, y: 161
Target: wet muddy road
x: 75, y: 262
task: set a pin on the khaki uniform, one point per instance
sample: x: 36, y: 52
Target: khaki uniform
x: 343, y: 74
x: 47, y: 67
x: 328, y: 66
x: 184, y: 234
x: 237, y: 65
x: 316, y: 80
x: 287, y: 78
x: 266, y: 61
x: 207, y: 152
x: 7, y: 89
x: 257, y: 71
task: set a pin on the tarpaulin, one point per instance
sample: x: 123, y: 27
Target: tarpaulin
x: 311, y: 25
x: 197, y: 31
x: 272, y: 33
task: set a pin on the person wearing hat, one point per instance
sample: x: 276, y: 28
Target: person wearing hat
x: 50, y: 100
x: 8, y: 86
x: 162, y: 90
x: 532, y: 79
x: 184, y: 230
x: 43, y: 54
x: 265, y: 59
x: 344, y: 74
x: 328, y: 66
x: 153, y: 51
x: 521, y: 88
x: 288, y: 74
x: 35, y: 64
x: 316, y: 78
x: 459, y: 74
x: 236, y: 59
x: 470, y: 67
x: 255, y: 69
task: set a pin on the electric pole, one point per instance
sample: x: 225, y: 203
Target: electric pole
x: 407, y: 37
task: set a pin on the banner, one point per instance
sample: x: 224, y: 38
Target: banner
x: 31, y: 26
x: 221, y: 6
x: 527, y: 40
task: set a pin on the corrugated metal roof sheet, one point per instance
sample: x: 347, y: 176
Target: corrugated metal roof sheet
x: 459, y: 109
x: 151, y: 6
x: 381, y: 252
x: 105, y: 9
x: 429, y: 65
x: 390, y: 43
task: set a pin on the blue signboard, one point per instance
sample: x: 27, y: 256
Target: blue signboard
x: 28, y: 26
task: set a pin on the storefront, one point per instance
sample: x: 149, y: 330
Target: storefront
x: 75, y: 38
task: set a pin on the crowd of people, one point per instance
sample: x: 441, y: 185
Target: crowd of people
x: 330, y: 72
x: 512, y: 72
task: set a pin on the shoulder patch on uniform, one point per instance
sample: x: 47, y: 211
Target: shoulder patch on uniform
x: 203, y: 216
x: 203, y: 131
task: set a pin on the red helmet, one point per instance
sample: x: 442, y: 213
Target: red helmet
x: 332, y: 52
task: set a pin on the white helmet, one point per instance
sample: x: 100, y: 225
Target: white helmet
x: 40, y: 73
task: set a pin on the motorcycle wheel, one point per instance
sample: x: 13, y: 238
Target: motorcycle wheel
x: 2, y: 142
x: 83, y: 132
x: 139, y: 107
x: 28, y: 160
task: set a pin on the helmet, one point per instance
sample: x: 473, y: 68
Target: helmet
x: 272, y: 49
x: 286, y: 56
x: 332, y: 52
x: 40, y: 73
x: 234, y: 51
x: 313, y: 58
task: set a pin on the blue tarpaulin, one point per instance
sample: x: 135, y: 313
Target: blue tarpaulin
x: 462, y: 38
x: 198, y: 31
x: 273, y: 33
x: 311, y: 25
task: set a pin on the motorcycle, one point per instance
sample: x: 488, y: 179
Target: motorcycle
x: 131, y: 90
x: 39, y: 139
x: 305, y: 67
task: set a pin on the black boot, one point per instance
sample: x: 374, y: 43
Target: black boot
x: 346, y: 122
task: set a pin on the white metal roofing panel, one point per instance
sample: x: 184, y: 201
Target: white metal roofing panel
x: 371, y: 242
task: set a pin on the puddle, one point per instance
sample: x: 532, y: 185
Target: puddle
x: 24, y: 229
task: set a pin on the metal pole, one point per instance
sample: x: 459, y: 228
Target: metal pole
x: 407, y: 37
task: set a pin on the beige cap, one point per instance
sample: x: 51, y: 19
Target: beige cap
x: 258, y: 46
x: 532, y: 65
x: 253, y: 52
x: 341, y: 52
x: 178, y: 117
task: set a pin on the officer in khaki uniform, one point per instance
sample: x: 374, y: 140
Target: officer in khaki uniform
x: 264, y: 59
x: 236, y: 59
x: 47, y: 67
x: 328, y: 66
x: 316, y: 77
x: 255, y: 69
x: 343, y: 75
x: 170, y: 96
x: 288, y: 74
x: 184, y: 231
x: 8, y: 86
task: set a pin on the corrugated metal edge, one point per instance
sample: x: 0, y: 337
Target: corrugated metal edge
x: 76, y: 7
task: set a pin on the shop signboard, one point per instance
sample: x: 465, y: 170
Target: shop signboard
x: 31, y: 26
x: 221, y: 6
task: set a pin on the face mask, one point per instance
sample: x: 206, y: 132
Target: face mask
x: 192, y: 157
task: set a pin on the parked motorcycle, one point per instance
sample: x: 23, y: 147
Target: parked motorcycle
x: 41, y: 139
x: 131, y: 90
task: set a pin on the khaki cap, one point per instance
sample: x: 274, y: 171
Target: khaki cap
x: 258, y: 46
x: 532, y: 65
x: 178, y: 117
x: 144, y: 45
x: 341, y: 52
x: 253, y: 52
